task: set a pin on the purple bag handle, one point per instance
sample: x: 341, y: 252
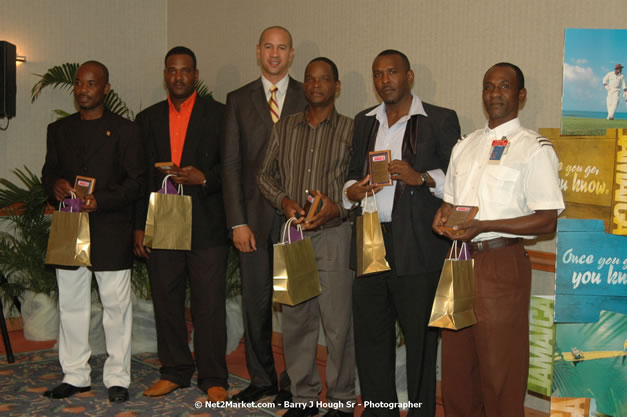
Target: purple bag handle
x: 62, y: 205
x: 462, y: 255
x: 285, y: 237
x: 165, y: 186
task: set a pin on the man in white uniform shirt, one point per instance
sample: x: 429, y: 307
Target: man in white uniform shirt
x: 613, y: 81
x: 510, y: 173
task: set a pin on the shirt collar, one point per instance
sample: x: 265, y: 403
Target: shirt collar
x: 332, y: 118
x: 415, y: 109
x: 281, y: 85
x: 186, y: 105
x: 506, y: 129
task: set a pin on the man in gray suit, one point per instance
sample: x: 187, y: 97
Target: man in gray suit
x: 250, y: 113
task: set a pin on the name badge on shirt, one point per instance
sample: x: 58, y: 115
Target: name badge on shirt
x: 499, y: 148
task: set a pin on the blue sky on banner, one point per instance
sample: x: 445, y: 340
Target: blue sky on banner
x: 589, y: 54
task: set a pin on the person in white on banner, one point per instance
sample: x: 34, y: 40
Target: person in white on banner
x: 96, y: 143
x: 613, y: 82
x: 510, y: 173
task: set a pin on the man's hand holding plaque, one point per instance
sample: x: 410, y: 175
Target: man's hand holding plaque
x: 83, y: 186
x: 378, y: 166
x: 459, y: 215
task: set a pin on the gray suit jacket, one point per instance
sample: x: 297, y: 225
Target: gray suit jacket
x: 247, y: 128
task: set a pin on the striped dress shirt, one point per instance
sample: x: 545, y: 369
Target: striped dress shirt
x: 301, y: 158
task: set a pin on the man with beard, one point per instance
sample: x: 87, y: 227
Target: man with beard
x: 420, y: 137
x: 185, y: 129
x: 250, y: 113
x: 98, y: 144
x: 510, y: 174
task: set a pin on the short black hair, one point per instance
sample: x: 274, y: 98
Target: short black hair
x: 102, y: 66
x: 399, y: 53
x: 180, y: 50
x: 336, y: 74
x: 520, y: 78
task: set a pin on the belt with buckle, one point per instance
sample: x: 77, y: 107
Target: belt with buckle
x: 496, y: 243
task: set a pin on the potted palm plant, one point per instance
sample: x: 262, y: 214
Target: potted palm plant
x: 22, y: 252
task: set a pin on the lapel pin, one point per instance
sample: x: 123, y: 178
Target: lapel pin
x: 108, y: 133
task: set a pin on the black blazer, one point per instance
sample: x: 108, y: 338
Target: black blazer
x: 201, y: 150
x: 417, y: 249
x: 247, y: 128
x: 112, y: 153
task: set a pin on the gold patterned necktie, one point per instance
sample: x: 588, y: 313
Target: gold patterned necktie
x: 274, y: 104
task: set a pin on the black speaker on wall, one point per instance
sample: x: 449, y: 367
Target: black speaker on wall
x: 8, y: 84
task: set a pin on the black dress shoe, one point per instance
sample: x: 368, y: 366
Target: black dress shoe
x: 301, y: 412
x: 65, y: 390
x: 118, y: 394
x: 253, y: 393
x: 337, y: 413
x: 284, y: 396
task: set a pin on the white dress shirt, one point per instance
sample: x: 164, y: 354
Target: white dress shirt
x: 391, y: 137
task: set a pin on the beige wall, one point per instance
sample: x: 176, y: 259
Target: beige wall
x: 128, y: 36
x: 449, y: 42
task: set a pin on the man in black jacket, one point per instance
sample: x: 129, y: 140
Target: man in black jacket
x: 420, y: 137
x: 185, y: 129
x: 98, y: 144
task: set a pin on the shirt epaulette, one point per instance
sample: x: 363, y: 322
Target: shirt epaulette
x: 544, y: 141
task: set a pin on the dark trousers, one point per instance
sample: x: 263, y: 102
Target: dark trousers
x: 169, y: 271
x: 485, y: 366
x: 378, y: 301
x: 256, y: 277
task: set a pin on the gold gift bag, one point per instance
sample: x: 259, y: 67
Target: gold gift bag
x: 69, y: 241
x: 370, y: 245
x: 454, y: 297
x: 295, y: 278
x: 169, y: 220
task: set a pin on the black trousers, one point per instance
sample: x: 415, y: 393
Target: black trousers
x: 169, y: 271
x: 378, y: 301
x: 256, y: 277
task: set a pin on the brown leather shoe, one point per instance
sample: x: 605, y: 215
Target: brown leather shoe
x: 161, y: 387
x: 215, y: 394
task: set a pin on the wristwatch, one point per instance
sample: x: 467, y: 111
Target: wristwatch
x: 425, y: 178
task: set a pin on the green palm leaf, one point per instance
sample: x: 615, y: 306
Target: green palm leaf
x: 61, y: 76
x: 116, y: 105
x: 202, y: 90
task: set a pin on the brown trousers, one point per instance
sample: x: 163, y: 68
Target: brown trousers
x: 485, y: 366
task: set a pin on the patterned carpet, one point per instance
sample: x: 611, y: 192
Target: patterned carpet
x: 23, y: 382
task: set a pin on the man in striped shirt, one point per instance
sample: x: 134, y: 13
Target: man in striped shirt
x: 308, y: 154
